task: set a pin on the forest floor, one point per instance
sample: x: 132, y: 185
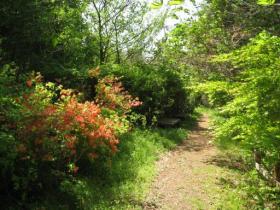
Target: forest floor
x: 190, y: 176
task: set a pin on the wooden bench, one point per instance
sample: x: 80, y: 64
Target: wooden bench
x: 168, y: 122
x: 180, y: 116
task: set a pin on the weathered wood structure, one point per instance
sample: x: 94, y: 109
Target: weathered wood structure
x: 273, y: 176
x: 168, y: 122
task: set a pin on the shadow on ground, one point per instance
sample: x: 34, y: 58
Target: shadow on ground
x: 199, y: 137
x: 229, y: 161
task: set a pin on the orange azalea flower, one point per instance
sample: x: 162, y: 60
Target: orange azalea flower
x: 94, y: 72
x: 49, y: 110
x: 29, y: 83
x: 71, y: 144
x: 79, y: 119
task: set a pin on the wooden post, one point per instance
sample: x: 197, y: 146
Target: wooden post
x: 258, y: 164
x: 277, y: 172
x: 263, y: 171
x: 258, y: 159
x: 258, y: 156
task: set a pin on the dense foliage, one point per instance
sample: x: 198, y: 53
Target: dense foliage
x: 254, y: 111
x: 47, y: 132
x: 163, y: 91
x: 234, y: 65
x: 231, y: 52
x: 108, y: 66
x: 50, y: 36
x: 65, y: 124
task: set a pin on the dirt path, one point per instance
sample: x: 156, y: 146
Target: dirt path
x: 186, y: 179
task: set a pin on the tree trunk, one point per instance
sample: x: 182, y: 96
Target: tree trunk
x: 118, y: 58
x: 100, y: 36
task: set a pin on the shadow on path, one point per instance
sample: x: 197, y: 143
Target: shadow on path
x: 199, y: 137
x: 183, y: 172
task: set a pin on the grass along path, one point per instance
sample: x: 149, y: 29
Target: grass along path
x: 194, y: 176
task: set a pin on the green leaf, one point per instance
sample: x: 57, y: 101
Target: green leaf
x: 54, y: 42
x: 156, y: 4
x: 266, y: 2
x: 175, y: 2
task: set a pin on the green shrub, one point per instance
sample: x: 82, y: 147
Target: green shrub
x: 123, y: 182
x: 47, y: 133
x: 164, y: 92
x: 214, y: 93
x: 253, y: 115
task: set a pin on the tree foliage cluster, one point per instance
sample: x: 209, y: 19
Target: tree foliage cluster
x: 49, y: 133
x: 253, y: 111
x: 231, y: 51
x: 64, y: 124
x: 57, y: 132
x: 219, y: 27
x: 163, y: 90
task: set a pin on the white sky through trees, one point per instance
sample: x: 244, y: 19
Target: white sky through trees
x: 158, y: 21
x: 176, y: 15
x: 187, y: 10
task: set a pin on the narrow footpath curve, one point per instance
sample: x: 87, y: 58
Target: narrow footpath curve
x: 186, y: 179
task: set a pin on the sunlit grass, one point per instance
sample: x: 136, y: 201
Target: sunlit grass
x: 123, y: 182
x: 133, y: 168
x: 242, y: 187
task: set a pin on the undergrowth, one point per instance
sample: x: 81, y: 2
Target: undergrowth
x: 122, y: 182
x: 244, y: 187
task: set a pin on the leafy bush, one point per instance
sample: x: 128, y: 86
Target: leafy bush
x: 164, y: 92
x: 217, y: 93
x: 254, y: 117
x: 129, y: 173
x: 46, y: 132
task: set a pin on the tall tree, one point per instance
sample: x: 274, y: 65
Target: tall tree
x: 40, y: 35
x: 219, y: 27
x: 121, y: 25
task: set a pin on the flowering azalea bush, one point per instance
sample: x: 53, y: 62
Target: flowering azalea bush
x: 111, y: 95
x: 67, y: 130
x: 164, y: 91
x: 51, y: 131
